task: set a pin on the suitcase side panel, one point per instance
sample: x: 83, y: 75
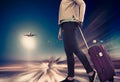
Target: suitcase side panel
x: 93, y: 52
x: 102, y: 62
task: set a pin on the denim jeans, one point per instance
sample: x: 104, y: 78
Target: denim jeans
x: 71, y: 47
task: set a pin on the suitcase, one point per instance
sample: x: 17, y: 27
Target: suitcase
x: 101, y: 61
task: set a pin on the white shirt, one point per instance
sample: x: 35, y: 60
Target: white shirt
x: 71, y: 10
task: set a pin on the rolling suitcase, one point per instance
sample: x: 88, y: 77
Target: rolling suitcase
x: 101, y: 61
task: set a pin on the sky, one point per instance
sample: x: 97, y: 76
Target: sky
x: 18, y: 17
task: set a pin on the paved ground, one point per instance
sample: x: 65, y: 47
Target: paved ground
x: 52, y: 70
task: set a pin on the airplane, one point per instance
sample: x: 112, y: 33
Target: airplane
x: 30, y: 34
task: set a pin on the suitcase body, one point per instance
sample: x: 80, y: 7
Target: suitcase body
x: 102, y: 63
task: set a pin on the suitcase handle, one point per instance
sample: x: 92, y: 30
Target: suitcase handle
x: 83, y: 37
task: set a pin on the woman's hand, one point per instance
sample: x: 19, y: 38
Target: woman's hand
x: 80, y: 23
x: 60, y: 34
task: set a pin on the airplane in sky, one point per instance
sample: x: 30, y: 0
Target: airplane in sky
x: 30, y: 34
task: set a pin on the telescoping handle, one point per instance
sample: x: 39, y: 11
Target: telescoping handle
x: 83, y: 37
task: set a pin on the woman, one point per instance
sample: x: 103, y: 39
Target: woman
x: 71, y: 16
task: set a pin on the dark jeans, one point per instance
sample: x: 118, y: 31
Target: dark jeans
x: 71, y: 46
